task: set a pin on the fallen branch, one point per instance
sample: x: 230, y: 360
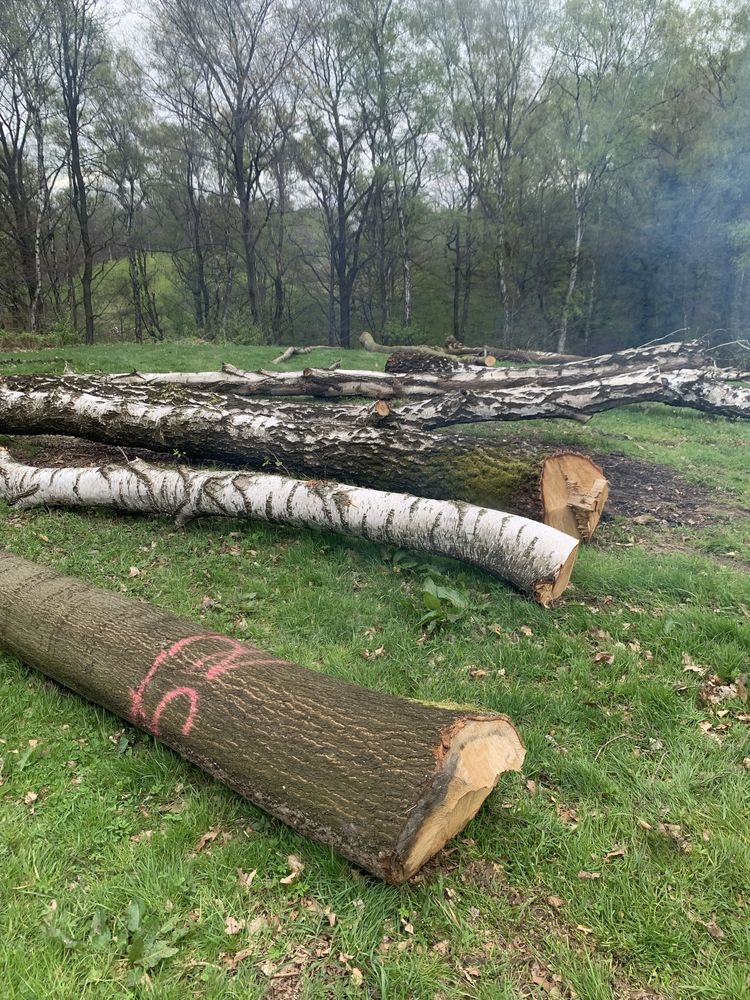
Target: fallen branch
x: 453, y: 346
x: 403, y: 458
x: 384, y: 781
x: 535, y: 558
x: 291, y: 352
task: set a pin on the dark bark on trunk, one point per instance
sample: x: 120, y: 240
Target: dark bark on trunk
x: 370, y: 774
x: 404, y: 459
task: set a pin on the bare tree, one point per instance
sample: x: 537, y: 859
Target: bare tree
x: 77, y: 41
x: 242, y: 51
x: 333, y: 159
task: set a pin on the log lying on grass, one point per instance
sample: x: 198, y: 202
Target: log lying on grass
x: 535, y: 558
x: 368, y: 342
x: 520, y: 355
x: 503, y: 476
x: 407, y: 375
x: 385, y: 781
x: 698, y: 389
x: 290, y: 352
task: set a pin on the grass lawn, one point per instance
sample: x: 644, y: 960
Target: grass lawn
x: 616, y: 866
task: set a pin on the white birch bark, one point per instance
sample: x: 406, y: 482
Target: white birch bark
x: 324, y: 383
x: 534, y: 557
x: 699, y: 389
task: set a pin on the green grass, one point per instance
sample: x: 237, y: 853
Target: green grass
x: 614, y: 749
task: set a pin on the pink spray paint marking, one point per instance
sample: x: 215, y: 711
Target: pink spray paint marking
x: 209, y: 665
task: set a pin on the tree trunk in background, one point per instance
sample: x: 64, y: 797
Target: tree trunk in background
x: 562, y: 337
x: 535, y: 558
x: 135, y: 291
x: 454, y: 467
x: 384, y: 781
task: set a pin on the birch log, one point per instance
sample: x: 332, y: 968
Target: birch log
x: 698, y: 389
x: 502, y: 476
x: 533, y: 557
x: 453, y: 346
x: 384, y: 781
x: 412, y: 380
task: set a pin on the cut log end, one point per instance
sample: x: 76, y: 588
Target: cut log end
x: 472, y: 756
x: 547, y: 592
x: 574, y: 492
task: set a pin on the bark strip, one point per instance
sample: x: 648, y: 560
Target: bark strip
x: 535, y: 558
x: 385, y: 781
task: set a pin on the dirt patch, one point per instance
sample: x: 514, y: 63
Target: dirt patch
x: 653, y: 494
x: 57, y: 452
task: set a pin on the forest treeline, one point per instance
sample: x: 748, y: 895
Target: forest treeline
x: 572, y: 175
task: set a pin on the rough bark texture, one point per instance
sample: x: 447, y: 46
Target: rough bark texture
x: 383, y: 780
x: 407, y: 375
x: 407, y: 362
x: 698, y: 389
x: 535, y: 558
x: 454, y: 467
x: 368, y: 342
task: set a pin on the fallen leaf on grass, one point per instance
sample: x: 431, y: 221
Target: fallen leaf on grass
x: 713, y: 692
x: 233, y: 926
x: 589, y: 875
x: 442, y: 947
x: 689, y: 667
x: 357, y: 977
x: 712, y: 927
x: 604, y: 657
x: 617, y: 852
x: 30, y: 798
x: 557, y: 901
x: 477, y: 674
x: 373, y: 654
x: 583, y: 929
x: 296, y: 866
x: 246, y: 878
x: 674, y: 832
x: 567, y: 815
x: 208, y: 837
x: 525, y: 630
x: 232, y: 961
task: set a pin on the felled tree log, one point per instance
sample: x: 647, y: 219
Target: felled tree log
x: 700, y: 389
x: 535, y: 558
x: 408, y: 375
x: 385, y: 781
x: 406, y: 362
x: 697, y: 389
x: 453, y: 346
x: 368, y: 342
x: 455, y: 467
